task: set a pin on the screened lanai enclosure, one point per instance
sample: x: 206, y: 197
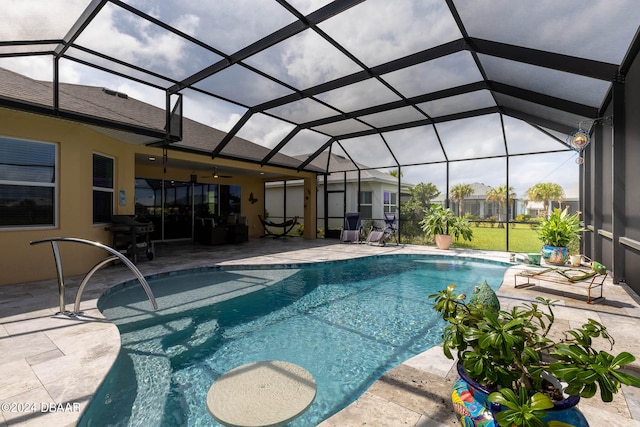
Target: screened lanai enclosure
x: 491, y: 92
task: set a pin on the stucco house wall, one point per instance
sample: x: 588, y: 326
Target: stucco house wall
x: 76, y: 144
x: 75, y: 147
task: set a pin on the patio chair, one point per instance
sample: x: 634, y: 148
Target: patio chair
x: 381, y: 236
x: 376, y: 236
x: 352, y: 228
x: 391, y: 226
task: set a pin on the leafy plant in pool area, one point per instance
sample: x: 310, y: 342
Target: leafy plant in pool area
x: 512, y: 353
x: 440, y: 220
x: 560, y: 228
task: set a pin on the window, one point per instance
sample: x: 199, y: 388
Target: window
x: 230, y: 200
x: 366, y: 205
x: 390, y: 203
x: 27, y: 183
x: 102, y: 188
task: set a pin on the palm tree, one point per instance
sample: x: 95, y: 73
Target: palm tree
x: 499, y: 194
x: 545, y: 192
x: 459, y: 192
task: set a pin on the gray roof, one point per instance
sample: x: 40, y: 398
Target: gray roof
x: 112, y: 106
x: 338, y: 164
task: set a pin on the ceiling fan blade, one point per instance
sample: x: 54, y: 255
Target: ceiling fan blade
x: 215, y: 176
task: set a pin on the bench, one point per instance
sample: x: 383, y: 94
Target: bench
x: 563, y: 276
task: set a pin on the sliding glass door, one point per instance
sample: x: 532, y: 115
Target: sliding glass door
x: 172, y: 206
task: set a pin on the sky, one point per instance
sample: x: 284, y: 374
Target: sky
x: 375, y: 31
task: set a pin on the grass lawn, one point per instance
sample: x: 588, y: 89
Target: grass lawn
x: 521, y: 239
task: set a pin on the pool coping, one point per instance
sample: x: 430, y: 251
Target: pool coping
x: 52, y: 365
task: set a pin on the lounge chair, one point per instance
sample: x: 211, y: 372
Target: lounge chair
x: 376, y: 236
x: 382, y: 236
x: 352, y: 228
x: 286, y: 226
x: 391, y: 226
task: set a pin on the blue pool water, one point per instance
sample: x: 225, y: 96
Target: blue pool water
x: 346, y: 322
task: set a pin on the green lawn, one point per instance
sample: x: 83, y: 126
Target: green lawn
x: 522, y: 238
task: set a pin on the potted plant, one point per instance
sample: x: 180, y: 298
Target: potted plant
x: 575, y: 257
x: 556, y: 232
x: 510, y: 363
x: 442, y: 225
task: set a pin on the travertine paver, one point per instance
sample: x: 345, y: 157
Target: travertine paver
x: 52, y: 360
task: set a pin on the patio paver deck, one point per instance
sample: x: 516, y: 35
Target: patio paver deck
x: 51, y: 365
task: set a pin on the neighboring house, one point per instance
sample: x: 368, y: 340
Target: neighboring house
x: 477, y: 205
x: 536, y: 209
x: 378, y: 193
x: 63, y: 175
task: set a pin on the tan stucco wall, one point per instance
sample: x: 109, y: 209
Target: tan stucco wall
x: 76, y: 145
x: 21, y: 262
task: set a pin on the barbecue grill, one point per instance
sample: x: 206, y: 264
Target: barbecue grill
x: 131, y: 237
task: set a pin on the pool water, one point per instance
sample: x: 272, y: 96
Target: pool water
x: 345, y: 322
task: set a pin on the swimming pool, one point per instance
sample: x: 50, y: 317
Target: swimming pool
x: 346, y: 322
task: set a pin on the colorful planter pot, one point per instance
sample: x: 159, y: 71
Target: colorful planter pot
x: 555, y: 254
x: 470, y: 402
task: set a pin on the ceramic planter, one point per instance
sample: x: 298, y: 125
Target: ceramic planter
x: 576, y: 260
x: 555, y: 254
x: 471, y: 404
x: 443, y: 241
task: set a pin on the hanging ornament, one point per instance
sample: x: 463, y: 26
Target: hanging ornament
x: 578, y: 141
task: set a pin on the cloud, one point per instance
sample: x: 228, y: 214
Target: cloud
x: 265, y: 130
x: 211, y: 111
x: 305, y: 142
x: 472, y: 138
x: 35, y: 67
x: 377, y: 31
x: 415, y: 145
x: 449, y: 71
x: 129, y: 38
x: 369, y: 151
x: 230, y: 25
x: 51, y: 20
x: 304, y: 60
x: 593, y: 29
x: 358, y: 95
x: 242, y: 85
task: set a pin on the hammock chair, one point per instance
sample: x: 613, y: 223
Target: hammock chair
x: 286, y: 226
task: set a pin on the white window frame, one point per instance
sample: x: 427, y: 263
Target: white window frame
x: 392, y: 206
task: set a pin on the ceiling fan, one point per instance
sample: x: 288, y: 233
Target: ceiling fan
x: 215, y: 174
